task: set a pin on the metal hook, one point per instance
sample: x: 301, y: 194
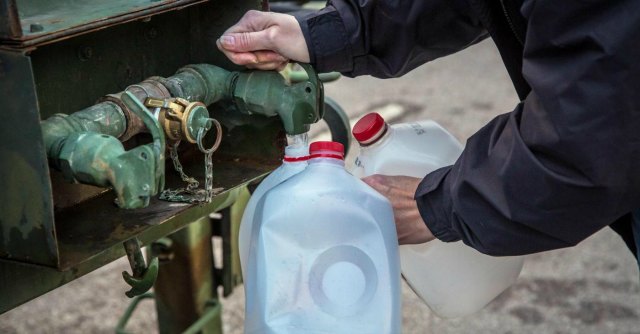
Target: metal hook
x: 143, y: 277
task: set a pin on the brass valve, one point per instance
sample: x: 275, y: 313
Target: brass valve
x: 179, y: 118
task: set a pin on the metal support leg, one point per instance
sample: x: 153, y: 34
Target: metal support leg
x: 185, y: 284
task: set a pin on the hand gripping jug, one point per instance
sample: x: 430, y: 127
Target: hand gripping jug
x: 453, y: 279
x: 294, y: 162
x: 323, y: 256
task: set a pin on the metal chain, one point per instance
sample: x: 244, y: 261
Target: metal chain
x: 208, y: 177
x: 192, y: 183
x: 191, y: 194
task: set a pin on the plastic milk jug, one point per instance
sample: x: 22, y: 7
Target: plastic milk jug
x: 294, y: 162
x: 453, y: 279
x: 323, y: 256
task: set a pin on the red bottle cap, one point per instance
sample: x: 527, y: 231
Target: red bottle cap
x: 295, y: 159
x: 326, y: 149
x: 369, y: 128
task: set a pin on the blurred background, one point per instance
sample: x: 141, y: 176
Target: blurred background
x: 591, y: 288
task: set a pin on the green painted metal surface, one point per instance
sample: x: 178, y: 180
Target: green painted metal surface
x: 52, y: 232
x: 212, y: 316
x: 338, y: 123
x: 266, y: 93
x: 92, y: 158
x: 27, y: 231
x: 143, y: 276
x: 121, y: 327
x: 83, y: 145
x: 21, y: 282
x: 35, y: 21
x: 191, y: 269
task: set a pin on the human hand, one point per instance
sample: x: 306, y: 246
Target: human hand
x: 400, y: 191
x: 265, y: 41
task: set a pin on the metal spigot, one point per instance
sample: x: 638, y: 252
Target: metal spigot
x: 267, y: 93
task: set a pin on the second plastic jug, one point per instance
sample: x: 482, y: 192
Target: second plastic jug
x: 323, y: 256
x: 453, y: 279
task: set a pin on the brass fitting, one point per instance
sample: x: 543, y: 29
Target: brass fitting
x: 179, y: 118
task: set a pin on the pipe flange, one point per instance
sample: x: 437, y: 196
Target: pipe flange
x: 134, y: 124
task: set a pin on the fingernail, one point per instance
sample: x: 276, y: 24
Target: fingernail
x: 228, y: 40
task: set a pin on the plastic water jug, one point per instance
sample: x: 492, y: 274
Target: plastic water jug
x: 453, y: 279
x: 323, y: 256
x: 294, y: 162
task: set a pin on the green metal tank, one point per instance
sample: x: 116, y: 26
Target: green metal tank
x: 96, y: 96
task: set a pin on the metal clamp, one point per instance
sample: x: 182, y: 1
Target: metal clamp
x: 179, y: 118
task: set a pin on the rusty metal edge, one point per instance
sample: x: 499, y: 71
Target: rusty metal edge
x: 191, y: 213
x: 36, y: 41
x: 42, y: 279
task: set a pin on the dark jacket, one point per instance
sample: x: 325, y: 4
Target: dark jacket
x: 565, y: 162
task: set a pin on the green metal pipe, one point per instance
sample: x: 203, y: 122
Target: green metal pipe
x: 97, y: 159
x: 84, y: 145
x: 254, y: 92
x: 104, y: 118
x: 203, y: 82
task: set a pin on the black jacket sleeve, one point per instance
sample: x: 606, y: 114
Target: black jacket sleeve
x: 387, y: 38
x: 566, y: 162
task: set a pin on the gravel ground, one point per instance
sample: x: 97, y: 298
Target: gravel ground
x: 591, y: 288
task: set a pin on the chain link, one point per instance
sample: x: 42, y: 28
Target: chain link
x: 191, y: 194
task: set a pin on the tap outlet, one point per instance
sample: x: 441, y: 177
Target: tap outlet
x: 267, y: 93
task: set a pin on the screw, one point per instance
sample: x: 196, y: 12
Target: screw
x: 36, y: 27
x: 85, y: 53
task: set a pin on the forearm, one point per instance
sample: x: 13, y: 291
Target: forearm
x: 387, y: 38
x: 565, y: 162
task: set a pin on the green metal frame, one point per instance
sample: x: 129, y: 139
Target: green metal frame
x: 31, y: 22
x: 52, y: 232
x: 211, y: 316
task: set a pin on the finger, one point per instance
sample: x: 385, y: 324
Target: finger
x: 374, y: 179
x: 265, y: 66
x: 247, y: 41
x: 239, y: 58
x: 379, y: 184
x: 242, y: 58
x: 266, y: 56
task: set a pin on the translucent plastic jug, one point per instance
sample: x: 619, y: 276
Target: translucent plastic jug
x: 323, y: 256
x: 294, y: 162
x: 453, y: 279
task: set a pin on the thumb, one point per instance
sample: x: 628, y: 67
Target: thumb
x: 246, y: 41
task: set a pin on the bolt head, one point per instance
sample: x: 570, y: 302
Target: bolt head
x: 36, y: 27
